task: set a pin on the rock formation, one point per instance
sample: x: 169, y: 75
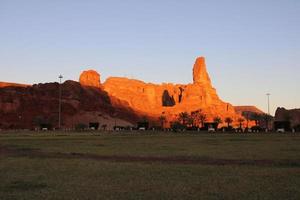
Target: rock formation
x: 292, y: 115
x: 90, y: 78
x: 127, y: 100
x: 251, y: 109
x: 6, y: 84
x: 27, y: 107
x: 171, y: 99
x: 200, y: 75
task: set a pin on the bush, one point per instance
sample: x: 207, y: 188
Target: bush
x: 177, y: 126
x: 80, y: 127
x: 256, y: 129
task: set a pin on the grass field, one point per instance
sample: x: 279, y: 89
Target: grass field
x: 151, y: 165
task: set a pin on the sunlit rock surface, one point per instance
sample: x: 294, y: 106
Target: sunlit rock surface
x: 90, y: 78
x: 170, y: 99
x: 117, y: 101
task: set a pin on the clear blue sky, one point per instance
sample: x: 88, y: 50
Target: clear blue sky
x: 251, y: 47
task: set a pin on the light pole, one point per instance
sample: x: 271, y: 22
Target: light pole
x: 268, y: 98
x: 59, y: 104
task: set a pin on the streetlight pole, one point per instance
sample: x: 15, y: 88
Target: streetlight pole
x: 268, y: 98
x: 59, y: 104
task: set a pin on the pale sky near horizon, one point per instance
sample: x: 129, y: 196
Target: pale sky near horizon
x: 251, y: 47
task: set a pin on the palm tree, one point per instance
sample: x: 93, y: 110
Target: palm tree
x: 190, y: 121
x: 241, y: 120
x: 256, y: 117
x: 196, y: 117
x: 228, y: 120
x: 246, y: 114
x: 183, y: 117
x: 162, y: 120
x: 268, y: 118
x: 218, y: 121
x: 203, y: 119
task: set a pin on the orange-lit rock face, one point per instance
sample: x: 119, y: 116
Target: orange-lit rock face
x: 200, y: 74
x: 119, y: 98
x: 252, y: 109
x: 5, y: 84
x: 90, y: 78
x: 171, y: 99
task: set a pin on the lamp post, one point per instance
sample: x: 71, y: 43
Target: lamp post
x: 59, y: 104
x: 268, y: 101
x: 268, y: 97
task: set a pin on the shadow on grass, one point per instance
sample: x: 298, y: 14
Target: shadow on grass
x: 26, y: 186
x: 31, y: 153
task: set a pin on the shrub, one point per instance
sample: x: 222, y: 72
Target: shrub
x: 80, y: 127
x: 177, y: 126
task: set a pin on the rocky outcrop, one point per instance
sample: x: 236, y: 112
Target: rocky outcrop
x: 292, y: 115
x: 251, y: 109
x: 171, y: 99
x: 26, y: 107
x: 90, y: 78
x: 6, y: 84
x: 200, y: 75
x: 124, y: 99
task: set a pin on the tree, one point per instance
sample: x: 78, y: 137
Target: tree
x: 42, y: 122
x: 228, y: 120
x: 246, y: 114
x: 176, y: 126
x: 267, y: 119
x: 190, y: 121
x: 218, y: 121
x: 144, y: 123
x: 195, y: 117
x: 183, y: 117
x: 80, y: 127
x: 256, y: 117
x: 241, y: 120
x: 198, y: 117
x: 104, y: 126
x: 162, y: 120
x: 202, y: 119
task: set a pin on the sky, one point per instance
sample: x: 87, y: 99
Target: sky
x: 251, y: 47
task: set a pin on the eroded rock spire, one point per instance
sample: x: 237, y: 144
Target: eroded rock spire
x: 200, y: 75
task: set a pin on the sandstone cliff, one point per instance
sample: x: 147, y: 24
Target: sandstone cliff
x: 126, y: 100
x: 171, y: 99
x: 6, y: 84
x: 252, y: 109
x: 25, y: 107
x: 90, y: 78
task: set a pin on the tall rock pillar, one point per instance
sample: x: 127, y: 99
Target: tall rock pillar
x: 200, y: 75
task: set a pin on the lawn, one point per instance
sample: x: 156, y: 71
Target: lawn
x: 149, y: 165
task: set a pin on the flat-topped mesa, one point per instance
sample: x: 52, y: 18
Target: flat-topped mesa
x: 90, y: 78
x: 200, y: 75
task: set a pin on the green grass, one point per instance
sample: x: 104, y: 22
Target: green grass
x: 115, y: 166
